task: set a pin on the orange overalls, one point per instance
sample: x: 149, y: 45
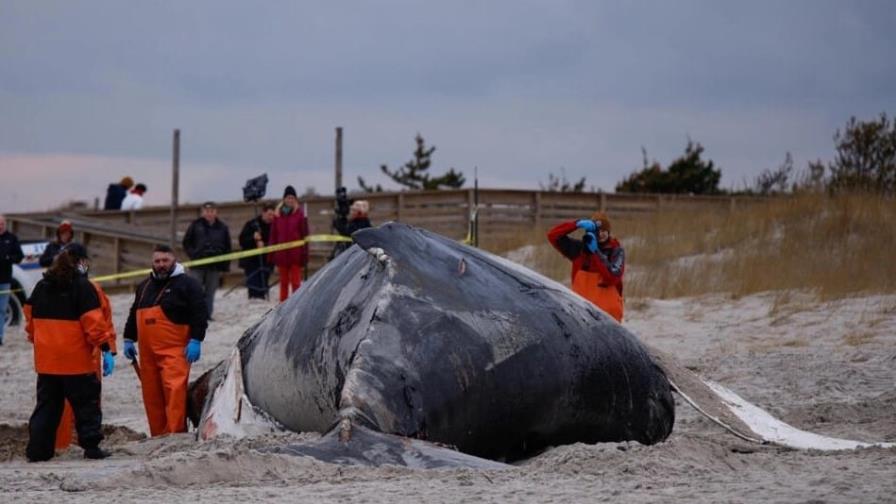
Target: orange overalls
x: 65, y: 431
x: 590, y: 285
x: 164, y: 369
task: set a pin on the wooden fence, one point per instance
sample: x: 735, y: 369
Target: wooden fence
x: 121, y: 241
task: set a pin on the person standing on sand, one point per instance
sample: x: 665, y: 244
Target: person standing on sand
x: 168, y: 321
x: 65, y: 322
x: 289, y: 225
x: 256, y: 233
x: 64, y: 236
x: 66, y: 424
x: 208, y: 236
x: 10, y: 253
x: 598, y: 261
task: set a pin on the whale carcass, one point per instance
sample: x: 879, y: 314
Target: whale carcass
x: 412, y: 334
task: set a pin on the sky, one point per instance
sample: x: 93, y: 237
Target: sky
x: 91, y: 91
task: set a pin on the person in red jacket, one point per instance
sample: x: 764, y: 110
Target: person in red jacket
x: 289, y: 225
x: 598, y: 261
x: 65, y: 322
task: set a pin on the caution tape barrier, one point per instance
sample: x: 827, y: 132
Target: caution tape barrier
x: 223, y: 257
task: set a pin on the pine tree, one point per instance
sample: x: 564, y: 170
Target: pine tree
x: 414, y: 175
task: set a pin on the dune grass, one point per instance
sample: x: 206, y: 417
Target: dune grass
x: 833, y: 246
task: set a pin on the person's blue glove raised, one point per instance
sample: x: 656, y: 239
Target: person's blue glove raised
x: 588, y: 225
x: 108, y: 363
x: 193, y: 350
x: 590, y: 241
x: 130, y: 350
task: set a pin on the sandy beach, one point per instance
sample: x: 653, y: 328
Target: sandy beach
x: 827, y: 367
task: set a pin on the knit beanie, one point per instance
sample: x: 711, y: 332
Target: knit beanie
x: 604, y: 220
x: 290, y: 191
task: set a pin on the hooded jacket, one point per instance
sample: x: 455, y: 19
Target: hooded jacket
x: 286, y: 228
x: 183, y: 302
x: 66, y: 324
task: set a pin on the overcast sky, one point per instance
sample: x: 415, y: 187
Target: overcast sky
x: 91, y: 90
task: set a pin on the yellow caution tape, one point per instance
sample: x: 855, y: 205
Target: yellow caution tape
x: 232, y: 255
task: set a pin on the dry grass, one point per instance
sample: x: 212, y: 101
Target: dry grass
x: 832, y: 246
x: 857, y: 339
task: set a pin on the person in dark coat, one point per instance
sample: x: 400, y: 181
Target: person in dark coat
x: 116, y: 193
x: 208, y: 236
x: 256, y: 233
x: 357, y: 219
x: 64, y: 235
x: 10, y: 253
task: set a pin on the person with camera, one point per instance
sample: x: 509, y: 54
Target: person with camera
x: 256, y: 233
x: 345, y: 225
x: 10, y: 253
x: 289, y: 225
x: 208, y: 236
x: 598, y: 261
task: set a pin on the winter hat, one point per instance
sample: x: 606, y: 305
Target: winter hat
x: 290, y: 191
x: 604, y: 220
x: 64, y: 226
x: 127, y: 182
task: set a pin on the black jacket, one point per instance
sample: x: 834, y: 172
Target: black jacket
x: 114, y: 196
x: 50, y: 253
x: 183, y: 303
x: 346, y: 227
x: 206, y: 240
x: 10, y: 253
x: 247, y: 241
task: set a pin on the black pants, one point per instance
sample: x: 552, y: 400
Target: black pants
x: 257, y: 279
x: 83, y: 393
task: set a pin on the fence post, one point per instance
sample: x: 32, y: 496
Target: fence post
x: 537, y: 209
x: 116, y: 258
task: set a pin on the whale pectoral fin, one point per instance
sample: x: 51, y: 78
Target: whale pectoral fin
x: 368, y: 447
x: 740, y: 417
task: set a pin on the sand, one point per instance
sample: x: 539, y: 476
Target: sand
x: 826, y: 367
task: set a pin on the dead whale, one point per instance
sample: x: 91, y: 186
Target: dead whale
x: 409, y: 333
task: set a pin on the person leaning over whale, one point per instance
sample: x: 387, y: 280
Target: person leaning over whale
x: 168, y: 320
x: 598, y: 261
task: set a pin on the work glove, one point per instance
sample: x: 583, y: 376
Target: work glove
x: 130, y: 350
x: 108, y: 363
x: 588, y: 225
x: 590, y: 241
x: 193, y: 350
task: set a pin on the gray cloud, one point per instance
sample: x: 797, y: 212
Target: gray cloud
x: 516, y: 88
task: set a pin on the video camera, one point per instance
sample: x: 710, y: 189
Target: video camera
x: 255, y: 188
x: 343, y: 203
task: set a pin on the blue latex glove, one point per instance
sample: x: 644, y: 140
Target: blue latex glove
x: 108, y: 363
x: 130, y: 350
x: 590, y: 241
x: 193, y: 350
x: 588, y: 225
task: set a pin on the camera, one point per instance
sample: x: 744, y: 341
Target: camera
x: 255, y: 188
x: 343, y: 203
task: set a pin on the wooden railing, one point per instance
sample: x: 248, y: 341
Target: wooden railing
x: 121, y: 241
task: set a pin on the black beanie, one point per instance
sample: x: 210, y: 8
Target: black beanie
x: 290, y: 190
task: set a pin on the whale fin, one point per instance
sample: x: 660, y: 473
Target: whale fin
x: 742, y: 418
x: 358, y: 445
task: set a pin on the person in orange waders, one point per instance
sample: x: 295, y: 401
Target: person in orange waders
x: 598, y: 261
x: 65, y: 431
x: 65, y: 323
x: 167, y: 321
